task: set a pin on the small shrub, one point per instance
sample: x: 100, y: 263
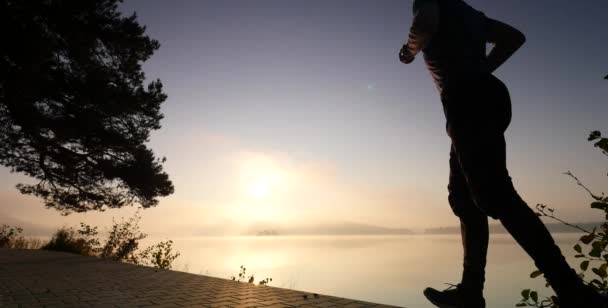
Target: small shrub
x: 122, y: 243
x: 68, y: 240
x: 242, y: 274
x: 160, y: 255
x: 27, y: 243
x: 123, y: 240
x: 251, y: 279
x: 82, y: 241
x: 8, y: 235
x: 265, y: 282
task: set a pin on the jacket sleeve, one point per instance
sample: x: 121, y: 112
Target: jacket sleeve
x: 424, y: 25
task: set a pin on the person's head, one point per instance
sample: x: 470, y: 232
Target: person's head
x: 416, y: 5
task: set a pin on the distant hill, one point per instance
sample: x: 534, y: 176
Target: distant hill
x: 269, y: 229
x: 498, y: 229
x: 29, y: 229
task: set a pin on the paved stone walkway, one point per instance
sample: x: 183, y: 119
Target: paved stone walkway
x: 36, y: 278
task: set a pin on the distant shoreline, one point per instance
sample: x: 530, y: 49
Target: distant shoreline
x: 334, y: 236
x: 499, y: 229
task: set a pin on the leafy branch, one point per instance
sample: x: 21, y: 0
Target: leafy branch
x: 591, y: 247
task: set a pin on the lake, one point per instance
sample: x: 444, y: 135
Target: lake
x: 383, y: 269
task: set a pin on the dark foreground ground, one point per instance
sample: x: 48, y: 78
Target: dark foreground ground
x: 36, y: 278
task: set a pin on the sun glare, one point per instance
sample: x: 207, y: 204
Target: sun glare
x: 261, y: 178
x: 263, y: 186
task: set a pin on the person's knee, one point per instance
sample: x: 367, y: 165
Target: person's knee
x: 500, y: 203
x: 463, y: 206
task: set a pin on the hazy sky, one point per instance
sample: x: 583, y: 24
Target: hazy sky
x: 298, y: 111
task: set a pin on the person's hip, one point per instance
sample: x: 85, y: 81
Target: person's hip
x: 480, y: 105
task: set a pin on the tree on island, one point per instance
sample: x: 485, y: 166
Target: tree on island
x: 75, y: 113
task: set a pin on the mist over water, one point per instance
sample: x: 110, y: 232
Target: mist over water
x: 384, y: 269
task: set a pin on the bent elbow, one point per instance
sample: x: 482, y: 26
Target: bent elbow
x: 519, y: 39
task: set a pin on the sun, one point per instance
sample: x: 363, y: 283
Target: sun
x: 263, y: 186
x: 261, y: 178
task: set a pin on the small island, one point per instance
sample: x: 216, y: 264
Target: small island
x: 267, y: 233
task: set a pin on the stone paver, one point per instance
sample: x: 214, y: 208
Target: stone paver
x: 36, y: 278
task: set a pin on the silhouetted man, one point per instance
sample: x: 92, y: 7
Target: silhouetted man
x: 453, y: 37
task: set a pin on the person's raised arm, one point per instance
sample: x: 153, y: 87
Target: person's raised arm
x: 424, y: 26
x: 506, y: 39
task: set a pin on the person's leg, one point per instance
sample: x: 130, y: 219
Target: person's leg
x: 483, y: 161
x: 474, y: 231
x: 473, y: 227
x: 477, y: 119
x: 532, y: 235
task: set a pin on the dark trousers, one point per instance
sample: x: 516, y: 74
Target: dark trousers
x: 478, y: 114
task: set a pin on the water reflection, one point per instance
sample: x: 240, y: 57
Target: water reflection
x: 385, y: 269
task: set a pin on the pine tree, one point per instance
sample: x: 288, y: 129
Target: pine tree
x: 75, y: 112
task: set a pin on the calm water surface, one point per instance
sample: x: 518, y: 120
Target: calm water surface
x: 383, y: 269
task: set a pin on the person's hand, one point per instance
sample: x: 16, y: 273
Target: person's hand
x: 405, y: 56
